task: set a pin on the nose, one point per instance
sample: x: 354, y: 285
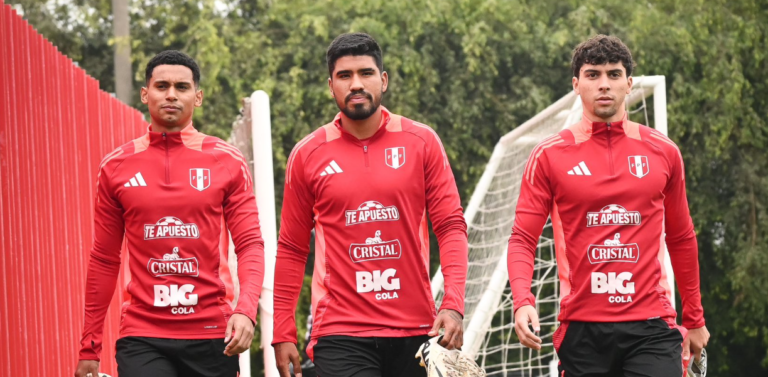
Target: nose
x: 603, y: 84
x: 357, y: 84
x: 170, y: 94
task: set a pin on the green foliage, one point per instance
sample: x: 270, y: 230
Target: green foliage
x: 476, y: 69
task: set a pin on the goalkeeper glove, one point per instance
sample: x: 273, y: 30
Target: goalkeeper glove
x: 441, y: 362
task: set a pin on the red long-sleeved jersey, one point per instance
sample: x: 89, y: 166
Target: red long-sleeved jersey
x: 613, y: 190
x: 173, y: 195
x: 368, y: 201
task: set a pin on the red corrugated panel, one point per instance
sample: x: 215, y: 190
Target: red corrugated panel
x: 55, y: 126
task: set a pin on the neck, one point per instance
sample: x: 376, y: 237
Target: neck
x: 618, y: 117
x: 363, y: 128
x: 165, y: 128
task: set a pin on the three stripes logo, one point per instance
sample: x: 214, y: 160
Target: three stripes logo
x: 580, y: 169
x: 332, y: 168
x: 136, y: 181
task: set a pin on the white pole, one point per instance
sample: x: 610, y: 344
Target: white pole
x: 264, y: 184
x: 660, y: 121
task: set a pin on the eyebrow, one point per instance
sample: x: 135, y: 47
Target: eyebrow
x: 617, y: 70
x: 168, y: 82
x: 349, y: 71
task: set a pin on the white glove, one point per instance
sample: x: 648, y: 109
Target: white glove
x: 441, y: 362
x: 698, y: 369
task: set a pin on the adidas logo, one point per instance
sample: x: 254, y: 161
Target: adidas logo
x: 580, y: 169
x: 136, y: 181
x: 332, y: 168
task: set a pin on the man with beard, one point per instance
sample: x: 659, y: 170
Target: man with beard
x: 365, y: 182
x: 615, y: 191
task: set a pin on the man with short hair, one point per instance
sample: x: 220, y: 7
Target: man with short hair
x: 614, y: 189
x: 366, y: 182
x: 173, y: 192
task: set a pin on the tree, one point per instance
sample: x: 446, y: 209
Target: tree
x: 474, y: 70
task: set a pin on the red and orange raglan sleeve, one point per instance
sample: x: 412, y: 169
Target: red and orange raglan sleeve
x: 533, y: 207
x: 292, y: 246
x: 242, y: 217
x: 681, y: 240
x: 104, y: 264
x: 446, y: 214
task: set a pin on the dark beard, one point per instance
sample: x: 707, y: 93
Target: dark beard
x: 359, y: 111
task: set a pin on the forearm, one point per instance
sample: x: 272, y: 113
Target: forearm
x: 520, y: 264
x: 250, y: 274
x: 289, y: 276
x: 100, y: 286
x: 683, y: 253
x: 453, y: 263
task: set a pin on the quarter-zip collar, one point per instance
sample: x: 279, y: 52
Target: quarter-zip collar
x: 385, y: 118
x: 171, y: 140
x: 587, y: 129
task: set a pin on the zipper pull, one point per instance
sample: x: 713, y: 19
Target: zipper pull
x: 609, y: 125
x: 365, y: 148
x: 163, y: 135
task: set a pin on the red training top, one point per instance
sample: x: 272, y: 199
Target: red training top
x: 173, y: 195
x: 368, y: 201
x: 613, y: 190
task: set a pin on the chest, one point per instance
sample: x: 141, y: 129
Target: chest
x: 181, y: 182
x: 628, y: 174
x: 382, y: 174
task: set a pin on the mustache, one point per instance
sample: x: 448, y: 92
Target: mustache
x: 358, y: 93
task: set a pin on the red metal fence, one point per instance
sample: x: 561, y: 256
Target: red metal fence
x: 55, y: 126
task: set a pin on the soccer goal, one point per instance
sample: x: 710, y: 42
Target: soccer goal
x: 489, y: 334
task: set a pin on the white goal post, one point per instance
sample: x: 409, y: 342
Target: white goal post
x: 252, y: 135
x: 489, y: 332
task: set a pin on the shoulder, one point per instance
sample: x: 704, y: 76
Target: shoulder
x: 553, y: 143
x: 310, y: 143
x: 409, y: 126
x: 316, y: 139
x: 226, y: 154
x: 113, y: 159
x: 659, y: 140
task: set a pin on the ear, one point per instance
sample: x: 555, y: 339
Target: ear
x: 199, y: 98
x: 330, y: 87
x: 575, y: 83
x: 630, y: 81
x: 384, y: 81
x: 144, y: 92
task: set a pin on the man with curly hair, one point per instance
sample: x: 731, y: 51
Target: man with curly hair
x: 615, y: 191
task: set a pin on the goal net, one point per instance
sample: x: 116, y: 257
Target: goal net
x: 489, y: 334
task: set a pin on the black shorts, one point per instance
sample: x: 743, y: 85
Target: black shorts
x: 156, y: 357
x: 349, y: 356
x: 621, y: 349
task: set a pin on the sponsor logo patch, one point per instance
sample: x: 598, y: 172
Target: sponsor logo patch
x: 375, y: 248
x: 170, y: 227
x: 173, y: 265
x: 613, y: 214
x: 383, y: 282
x: 612, y: 250
x: 371, y: 211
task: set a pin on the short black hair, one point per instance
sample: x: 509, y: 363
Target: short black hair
x: 354, y: 44
x: 602, y: 49
x: 173, y: 57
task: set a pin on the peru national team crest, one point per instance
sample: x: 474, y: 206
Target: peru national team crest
x: 638, y: 166
x: 200, y: 179
x: 394, y: 157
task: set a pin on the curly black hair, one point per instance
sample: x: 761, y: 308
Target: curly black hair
x: 173, y: 57
x: 354, y: 44
x: 602, y: 49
